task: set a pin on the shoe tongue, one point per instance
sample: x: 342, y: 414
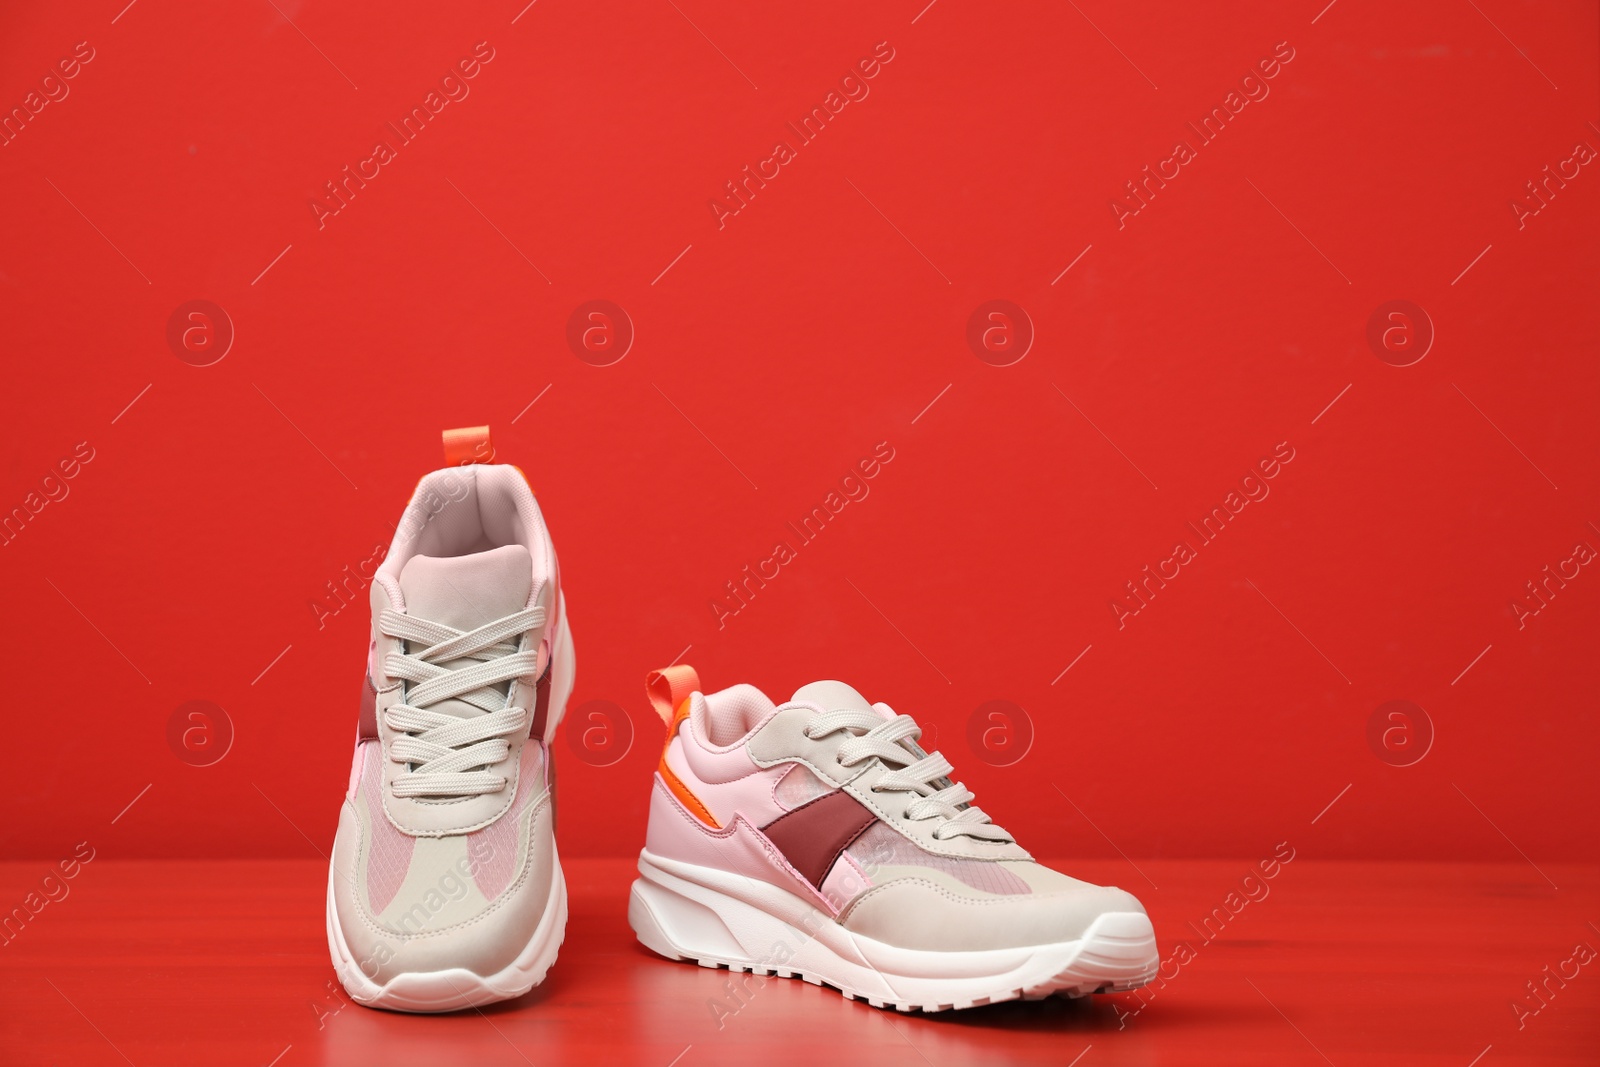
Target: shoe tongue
x: 832, y: 696
x: 466, y: 592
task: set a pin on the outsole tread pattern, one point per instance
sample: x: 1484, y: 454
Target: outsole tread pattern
x: 1066, y: 985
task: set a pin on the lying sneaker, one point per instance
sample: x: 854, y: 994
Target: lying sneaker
x: 817, y: 840
x: 445, y: 891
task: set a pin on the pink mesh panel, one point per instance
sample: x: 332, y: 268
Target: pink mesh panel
x: 799, y: 787
x: 844, y: 883
x: 879, y: 847
x: 492, y: 851
x: 388, y: 850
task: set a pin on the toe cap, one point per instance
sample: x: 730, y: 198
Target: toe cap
x: 918, y: 913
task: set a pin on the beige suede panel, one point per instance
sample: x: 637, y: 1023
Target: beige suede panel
x: 891, y: 808
x: 783, y: 737
x: 428, y: 930
x: 916, y: 913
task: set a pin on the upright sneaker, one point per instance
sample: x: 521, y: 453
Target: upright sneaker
x: 815, y: 839
x: 445, y: 891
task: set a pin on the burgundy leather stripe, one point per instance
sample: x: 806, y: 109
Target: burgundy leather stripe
x: 536, y: 734
x: 812, y: 835
x: 541, y: 705
x: 367, y: 724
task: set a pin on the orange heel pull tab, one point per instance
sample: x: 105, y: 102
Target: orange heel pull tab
x: 467, y: 444
x: 669, y: 689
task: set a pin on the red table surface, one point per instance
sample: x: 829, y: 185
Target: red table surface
x: 193, y: 556
x: 178, y: 962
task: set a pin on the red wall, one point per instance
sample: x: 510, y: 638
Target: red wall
x: 776, y: 347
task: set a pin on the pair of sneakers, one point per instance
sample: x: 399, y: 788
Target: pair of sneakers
x: 812, y: 839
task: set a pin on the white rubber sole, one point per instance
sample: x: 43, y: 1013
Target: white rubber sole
x: 455, y: 988
x: 719, y: 919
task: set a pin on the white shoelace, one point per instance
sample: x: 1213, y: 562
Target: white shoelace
x: 894, y: 742
x: 445, y: 754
